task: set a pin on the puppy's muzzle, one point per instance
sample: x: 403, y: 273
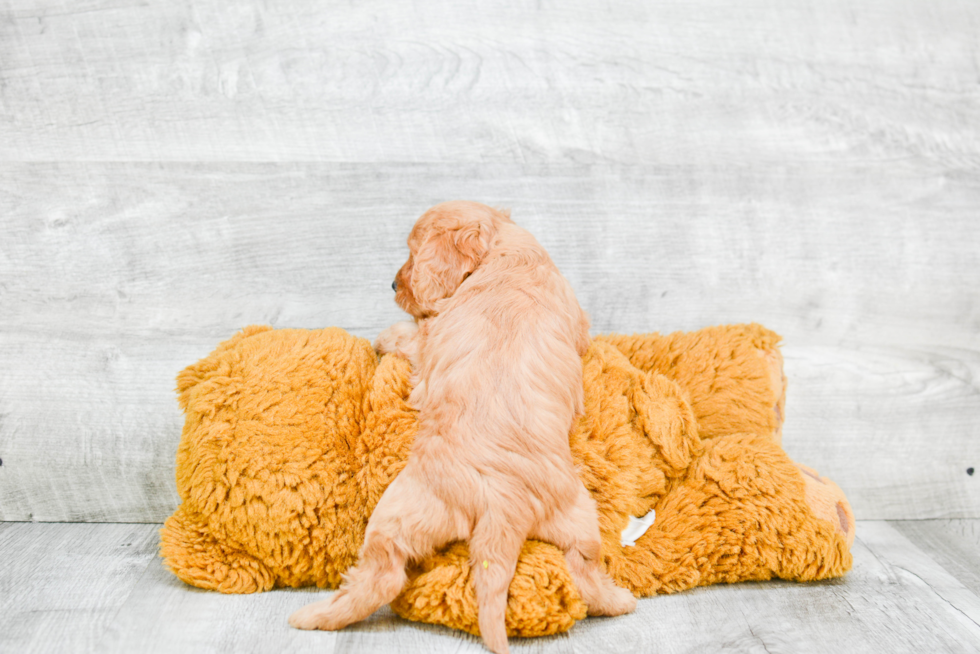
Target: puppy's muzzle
x: 394, y: 286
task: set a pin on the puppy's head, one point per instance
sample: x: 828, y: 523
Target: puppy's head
x: 446, y: 245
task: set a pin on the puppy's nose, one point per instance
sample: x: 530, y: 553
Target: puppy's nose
x: 394, y: 286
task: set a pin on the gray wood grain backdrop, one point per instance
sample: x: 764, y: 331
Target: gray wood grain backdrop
x: 172, y: 172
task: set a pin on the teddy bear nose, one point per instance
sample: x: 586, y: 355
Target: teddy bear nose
x: 394, y: 285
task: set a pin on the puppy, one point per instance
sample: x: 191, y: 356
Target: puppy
x: 497, y: 381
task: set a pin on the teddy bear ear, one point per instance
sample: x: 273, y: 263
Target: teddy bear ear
x: 212, y: 366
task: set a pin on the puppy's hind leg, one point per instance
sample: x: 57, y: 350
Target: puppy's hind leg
x: 408, y: 523
x: 576, y: 531
x: 494, y: 547
x: 375, y: 581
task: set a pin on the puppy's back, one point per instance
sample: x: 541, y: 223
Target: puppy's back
x: 503, y: 357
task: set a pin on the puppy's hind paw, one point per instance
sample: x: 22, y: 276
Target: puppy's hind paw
x: 313, y: 616
x: 623, y: 602
x: 615, y: 601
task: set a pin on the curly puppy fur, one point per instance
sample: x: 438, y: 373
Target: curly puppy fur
x: 497, y: 380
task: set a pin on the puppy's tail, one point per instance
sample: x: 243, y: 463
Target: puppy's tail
x: 494, y: 548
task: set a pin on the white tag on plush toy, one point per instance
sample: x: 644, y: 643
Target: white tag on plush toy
x: 636, y: 528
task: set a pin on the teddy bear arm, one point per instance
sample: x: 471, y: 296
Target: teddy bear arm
x: 733, y: 374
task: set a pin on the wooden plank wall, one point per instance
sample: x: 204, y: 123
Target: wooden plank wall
x: 173, y: 171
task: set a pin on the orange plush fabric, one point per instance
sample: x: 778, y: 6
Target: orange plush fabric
x: 292, y: 435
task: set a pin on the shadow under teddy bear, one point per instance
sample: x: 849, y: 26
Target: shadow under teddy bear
x: 291, y: 436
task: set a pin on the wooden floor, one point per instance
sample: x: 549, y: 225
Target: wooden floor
x: 74, y: 587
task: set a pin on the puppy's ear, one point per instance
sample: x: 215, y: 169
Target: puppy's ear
x: 472, y: 241
x: 445, y: 259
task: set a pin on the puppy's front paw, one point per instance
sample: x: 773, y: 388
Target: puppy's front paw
x: 397, y: 339
x: 313, y: 616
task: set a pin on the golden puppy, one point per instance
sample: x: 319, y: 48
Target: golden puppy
x: 497, y: 380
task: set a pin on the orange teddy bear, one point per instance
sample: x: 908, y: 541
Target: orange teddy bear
x: 292, y: 435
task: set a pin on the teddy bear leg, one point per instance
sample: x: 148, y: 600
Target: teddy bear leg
x: 192, y: 552
x: 827, y: 502
x: 576, y: 532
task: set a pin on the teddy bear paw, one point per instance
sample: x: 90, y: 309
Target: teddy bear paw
x: 827, y: 502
